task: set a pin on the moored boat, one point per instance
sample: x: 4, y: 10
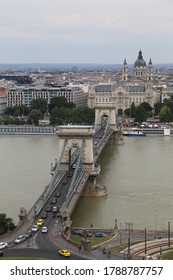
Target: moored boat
x: 134, y: 132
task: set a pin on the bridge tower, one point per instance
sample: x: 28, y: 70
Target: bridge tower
x: 103, y: 111
x: 79, y: 138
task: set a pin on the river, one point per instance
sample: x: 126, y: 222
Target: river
x: 138, y: 175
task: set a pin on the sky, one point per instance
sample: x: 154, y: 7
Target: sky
x: 85, y: 31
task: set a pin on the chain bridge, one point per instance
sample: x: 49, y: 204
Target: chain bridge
x: 77, y: 164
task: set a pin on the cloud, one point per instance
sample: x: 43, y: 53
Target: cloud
x: 64, y: 20
x: 104, y: 25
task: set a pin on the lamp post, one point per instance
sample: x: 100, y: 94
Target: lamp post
x: 130, y: 227
x: 145, y: 240
x: 169, y: 243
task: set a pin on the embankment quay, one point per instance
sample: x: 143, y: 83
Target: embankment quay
x: 27, y: 130
x: 41, y: 130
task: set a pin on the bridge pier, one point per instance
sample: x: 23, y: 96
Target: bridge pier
x: 92, y: 189
x: 116, y: 138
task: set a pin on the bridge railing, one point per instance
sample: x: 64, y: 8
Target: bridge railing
x: 69, y: 197
x: 56, y: 178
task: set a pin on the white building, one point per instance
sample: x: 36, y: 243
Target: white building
x: 24, y: 95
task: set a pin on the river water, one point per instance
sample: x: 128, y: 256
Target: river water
x: 138, y: 175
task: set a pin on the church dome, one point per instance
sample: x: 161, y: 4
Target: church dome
x: 140, y: 62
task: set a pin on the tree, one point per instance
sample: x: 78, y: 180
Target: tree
x: 157, y: 107
x: 140, y: 114
x: 165, y: 114
x: 127, y: 111
x: 6, y: 224
x: 169, y: 103
x: 36, y: 115
x: 132, y: 110
x: 60, y: 102
x: 17, y: 111
x: 61, y: 116
x: 39, y: 104
x: 146, y: 106
x: 57, y: 116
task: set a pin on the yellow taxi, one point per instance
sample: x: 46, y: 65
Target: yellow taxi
x: 40, y: 222
x: 64, y: 253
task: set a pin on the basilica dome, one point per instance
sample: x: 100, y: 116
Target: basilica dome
x: 140, y: 62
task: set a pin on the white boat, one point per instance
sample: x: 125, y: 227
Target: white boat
x: 134, y: 132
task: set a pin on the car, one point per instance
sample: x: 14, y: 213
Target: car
x: 20, y: 239
x: 28, y: 234
x: 40, y: 222
x: 54, y: 200
x: 70, y: 174
x: 85, y: 234
x: 44, y: 230
x: 74, y: 166
x: 64, y: 182
x: 3, y: 245
x: 58, y: 194
x: 35, y: 228
x: 44, y: 215
x: 55, y: 209
x: 64, y: 253
x: 100, y: 234
x: 49, y: 208
x: 77, y: 232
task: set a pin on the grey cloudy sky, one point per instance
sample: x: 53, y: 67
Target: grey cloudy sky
x: 85, y: 31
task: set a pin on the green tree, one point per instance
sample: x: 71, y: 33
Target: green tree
x: 60, y: 102
x: 165, y: 114
x: 127, y: 111
x: 58, y: 116
x: 6, y: 224
x: 132, y: 110
x: 146, y: 106
x: 36, y: 115
x: 61, y: 116
x: 7, y: 120
x: 169, y: 103
x: 157, y: 107
x: 39, y: 104
x: 10, y: 111
x: 17, y: 111
x: 140, y: 114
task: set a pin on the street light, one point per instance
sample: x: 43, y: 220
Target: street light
x: 120, y: 235
x: 145, y: 240
x: 169, y: 243
x: 130, y: 228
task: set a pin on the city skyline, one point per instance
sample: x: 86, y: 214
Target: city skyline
x: 75, y: 31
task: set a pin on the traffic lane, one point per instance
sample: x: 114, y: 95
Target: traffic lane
x: 51, y: 254
x: 43, y: 240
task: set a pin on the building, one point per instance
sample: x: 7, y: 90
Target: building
x: 166, y: 92
x: 136, y: 87
x: 3, y: 100
x: 24, y: 95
